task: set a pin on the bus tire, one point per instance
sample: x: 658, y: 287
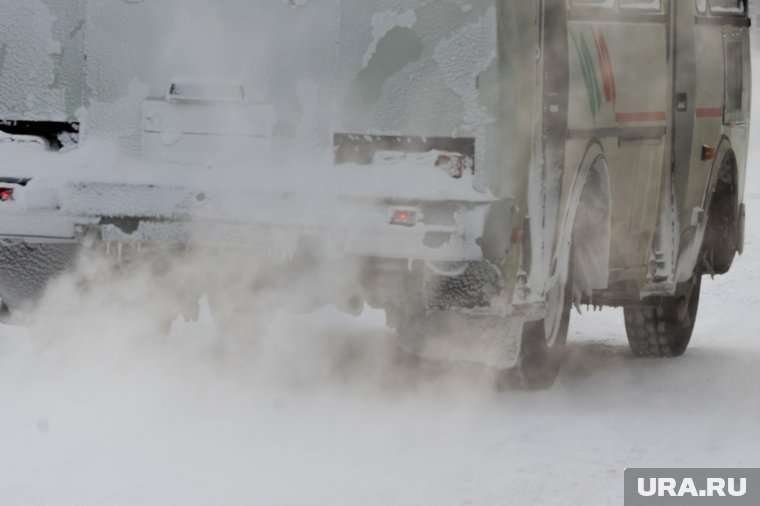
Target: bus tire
x: 664, y: 330
x: 540, y: 357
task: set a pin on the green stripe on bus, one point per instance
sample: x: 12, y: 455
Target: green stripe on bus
x: 589, y: 76
x: 592, y: 70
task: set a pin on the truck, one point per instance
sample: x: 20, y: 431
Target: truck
x: 475, y: 168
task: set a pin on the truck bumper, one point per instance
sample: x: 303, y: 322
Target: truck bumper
x: 269, y: 222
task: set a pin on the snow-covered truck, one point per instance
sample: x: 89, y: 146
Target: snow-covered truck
x: 481, y: 165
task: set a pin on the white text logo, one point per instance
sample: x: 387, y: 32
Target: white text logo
x: 670, y: 487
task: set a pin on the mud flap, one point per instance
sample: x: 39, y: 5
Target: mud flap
x: 27, y: 269
x: 463, y: 317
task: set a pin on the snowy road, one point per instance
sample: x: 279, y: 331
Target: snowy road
x: 325, y: 417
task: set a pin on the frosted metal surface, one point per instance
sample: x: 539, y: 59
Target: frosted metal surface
x: 41, y: 59
x: 411, y: 68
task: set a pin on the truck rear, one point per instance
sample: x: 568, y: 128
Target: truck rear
x: 389, y: 144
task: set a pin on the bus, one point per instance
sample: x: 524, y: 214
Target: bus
x: 475, y: 168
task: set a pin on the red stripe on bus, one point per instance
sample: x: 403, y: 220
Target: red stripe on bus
x: 608, y: 63
x: 710, y: 112
x: 632, y: 117
x: 603, y: 68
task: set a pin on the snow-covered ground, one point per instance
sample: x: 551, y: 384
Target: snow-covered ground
x: 325, y: 416
x: 321, y: 414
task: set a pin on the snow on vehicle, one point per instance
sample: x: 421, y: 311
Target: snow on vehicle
x: 480, y: 164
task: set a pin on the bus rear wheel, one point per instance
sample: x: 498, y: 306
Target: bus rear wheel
x: 664, y: 329
x: 542, y: 350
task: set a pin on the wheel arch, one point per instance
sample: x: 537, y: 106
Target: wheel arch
x: 585, y: 232
x: 725, y: 160
x: 722, y: 206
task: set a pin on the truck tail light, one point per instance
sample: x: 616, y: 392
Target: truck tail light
x: 404, y: 217
x: 6, y: 194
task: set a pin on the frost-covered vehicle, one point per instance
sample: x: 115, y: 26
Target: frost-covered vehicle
x: 473, y: 167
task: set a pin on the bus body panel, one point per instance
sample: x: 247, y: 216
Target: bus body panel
x: 614, y: 104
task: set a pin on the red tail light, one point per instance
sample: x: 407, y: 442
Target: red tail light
x: 6, y: 194
x: 404, y: 217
